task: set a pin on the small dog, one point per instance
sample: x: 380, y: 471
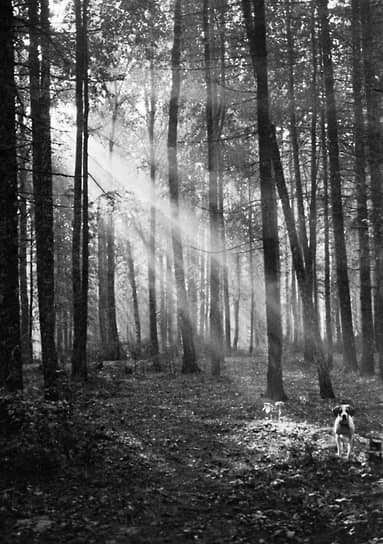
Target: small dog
x: 344, y: 428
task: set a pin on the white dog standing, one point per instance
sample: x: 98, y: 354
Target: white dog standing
x: 344, y: 428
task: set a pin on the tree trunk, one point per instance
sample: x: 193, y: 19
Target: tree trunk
x: 189, y: 363
x: 336, y: 193
x: 133, y: 286
x: 39, y: 62
x: 327, y: 264
x: 309, y: 315
x: 114, y: 351
x: 216, y: 333
x: 10, y: 353
x: 154, y: 350
x: 237, y: 300
x: 374, y: 139
x: 79, y: 363
x: 254, y: 15
x: 367, y: 360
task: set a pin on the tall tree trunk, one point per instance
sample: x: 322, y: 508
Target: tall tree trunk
x: 26, y: 344
x: 79, y: 364
x: 367, y: 360
x: 39, y: 62
x: 189, y: 363
x: 102, y: 284
x: 237, y: 300
x: 309, y: 315
x: 10, y: 353
x: 327, y: 264
x: 336, y: 193
x: 374, y: 138
x: 133, y: 286
x: 251, y: 271
x: 216, y: 333
x: 114, y: 351
x: 254, y: 15
x: 83, y: 371
x: 153, y: 330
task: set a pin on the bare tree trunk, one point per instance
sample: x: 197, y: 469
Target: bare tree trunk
x: 10, y: 353
x: 133, y: 286
x: 336, y: 193
x: 309, y: 315
x: 237, y: 300
x: 39, y: 61
x: 189, y: 363
x: 216, y: 333
x: 254, y: 15
x: 374, y: 138
x: 151, y: 107
x: 367, y: 360
x: 327, y: 264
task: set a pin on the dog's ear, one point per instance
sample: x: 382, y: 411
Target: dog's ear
x: 336, y: 410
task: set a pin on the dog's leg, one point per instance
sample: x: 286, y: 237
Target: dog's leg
x: 338, y: 445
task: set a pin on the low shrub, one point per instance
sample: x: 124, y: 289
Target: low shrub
x: 38, y: 436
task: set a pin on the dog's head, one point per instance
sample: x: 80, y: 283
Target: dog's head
x: 343, y: 412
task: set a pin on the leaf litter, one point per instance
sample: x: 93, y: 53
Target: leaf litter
x: 192, y: 459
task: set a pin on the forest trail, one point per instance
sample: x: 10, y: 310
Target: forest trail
x: 178, y: 459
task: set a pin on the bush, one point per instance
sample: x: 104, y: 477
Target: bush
x: 38, y: 436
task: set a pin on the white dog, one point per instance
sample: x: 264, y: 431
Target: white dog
x: 344, y: 428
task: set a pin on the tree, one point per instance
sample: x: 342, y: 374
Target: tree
x: 189, y: 363
x: 336, y: 192
x: 80, y: 203
x: 216, y: 336
x: 10, y: 353
x: 39, y: 62
x: 367, y: 360
x: 374, y: 140
x: 254, y: 16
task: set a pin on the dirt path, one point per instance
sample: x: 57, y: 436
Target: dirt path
x: 188, y: 459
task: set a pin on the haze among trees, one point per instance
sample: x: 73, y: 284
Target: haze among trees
x: 191, y: 231
x: 190, y: 182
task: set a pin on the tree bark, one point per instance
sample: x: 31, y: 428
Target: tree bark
x: 350, y: 361
x: 367, y: 360
x: 254, y: 15
x: 309, y: 314
x: 10, y: 353
x: 153, y: 329
x: 374, y: 157
x: 189, y: 363
x: 39, y: 62
x: 216, y: 333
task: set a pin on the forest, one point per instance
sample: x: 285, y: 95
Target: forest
x: 191, y: 270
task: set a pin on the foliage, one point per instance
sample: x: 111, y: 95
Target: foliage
x: 39, y: 436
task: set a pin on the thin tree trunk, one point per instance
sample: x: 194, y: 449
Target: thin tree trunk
x: 367, y: 360
x: 78, y: 366
x: 39, y: 61
x: 216, y: 335
x: 327, y: 264
x: 309, y: 315
x: 10, y: 353
x: 153, y: 330
x: 336, y: 193
x: 189, y: 363
x: 374, y: 139
x: 113, y: 340
x: 254, y: 15
x: 133, y: 286
x: 237, y: 300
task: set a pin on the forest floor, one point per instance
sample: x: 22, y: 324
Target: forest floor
x: 178, y: 459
